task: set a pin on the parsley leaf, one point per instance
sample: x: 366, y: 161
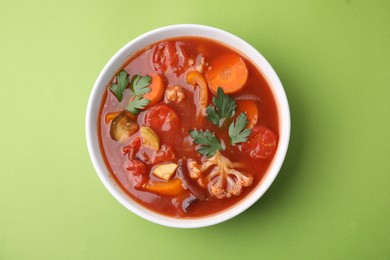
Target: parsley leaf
x: 140, y: 85
x: 136, y: 104
x: 237, y: 131
x: 119, y: 87
x: 212, y: 115
x: 209, y: 144
x: 224, y: 107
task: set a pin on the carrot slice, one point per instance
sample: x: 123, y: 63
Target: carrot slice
x: 250, y: 108
x: 195, y: 78
x: 228, y: 72
x: 110, y: 116
x: 172, y: 187
x: 157, y: 89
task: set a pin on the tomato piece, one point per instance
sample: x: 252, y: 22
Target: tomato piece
x: 137, y: 173
x: 160, y: 56
x: 145, y: 155
x: 162, y: 118
x: 164, y: 155
x: 133, y: 148
x: 261, y: 144
x: 170, y: 56
x: 149, y: 156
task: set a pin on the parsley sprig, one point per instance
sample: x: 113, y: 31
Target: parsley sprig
x: 209, y: 143
x: 137, y: 103
x: 224, y: 107
x: 118, y: 88
x: 238, y: 132
x: 139, y: 86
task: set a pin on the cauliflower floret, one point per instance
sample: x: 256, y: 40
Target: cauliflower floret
x: 174, y: 94
x: 223, y: 181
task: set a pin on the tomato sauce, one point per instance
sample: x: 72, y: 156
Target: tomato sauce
x: 172, y: 121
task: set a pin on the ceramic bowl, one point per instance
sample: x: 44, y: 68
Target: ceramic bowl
x: 139, y: 43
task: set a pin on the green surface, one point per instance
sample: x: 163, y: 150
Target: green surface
x: 331, y: 199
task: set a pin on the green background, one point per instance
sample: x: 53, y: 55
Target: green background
x: 331, y: 198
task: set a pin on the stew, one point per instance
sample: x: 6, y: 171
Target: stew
x: 188, y: 127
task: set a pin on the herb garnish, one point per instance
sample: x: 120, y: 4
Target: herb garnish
x: 119, y: 87
x: 209, y: 144
x: 139, y: 85
x: 224, y: 107
x: 136, y: 104
x: 237, y: 131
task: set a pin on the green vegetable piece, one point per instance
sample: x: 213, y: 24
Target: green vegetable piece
x: 224, y: 107
x: 140, y: 85
x: 212, y: 115
x: 237, y: 131
x: 209, y: 144
x: 119, y: 87
x: 137, y: 104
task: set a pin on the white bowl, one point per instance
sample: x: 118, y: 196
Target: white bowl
x: 147, y: 39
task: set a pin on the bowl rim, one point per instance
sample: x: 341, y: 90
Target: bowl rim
x: 173, y: 31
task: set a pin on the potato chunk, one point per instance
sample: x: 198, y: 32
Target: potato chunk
x: 150, y: 138
x: 165, y: 171
x: 123, y: 125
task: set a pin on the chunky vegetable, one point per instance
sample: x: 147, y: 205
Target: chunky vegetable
x: 162, y: 118
x: 173, y: 187
x: 110, y: 116
x: 261, y: 144
x: 132, y: 149
x: 183, y: 174
x: 165, y: 154
x: 227, y: 71
x: 156, y: 92
x: 224, y: 180
x: 123, y: 125
x: 195, y: 78
x: 137, y: 173
x: 165, y: 171
x: 170, y: 57
x: 174, y: 94
x: 150, y: 138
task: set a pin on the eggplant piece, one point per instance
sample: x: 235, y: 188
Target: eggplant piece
x: 182, y: 173
x: 123, y: 124
x: 188, y: 202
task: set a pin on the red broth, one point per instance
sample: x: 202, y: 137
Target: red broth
x: 173, y: 59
